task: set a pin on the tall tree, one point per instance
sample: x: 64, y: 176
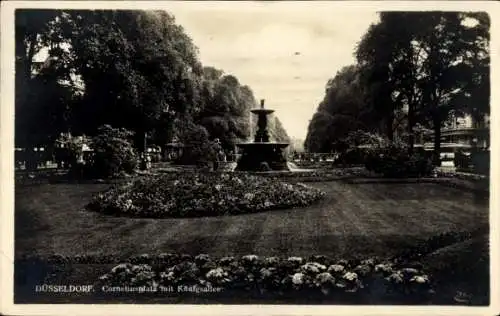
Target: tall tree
x: 227, y: 104
x: 432, y: 63
x: 41, y: 97
x: 390, y: 61
x: 136, y: 66
x: 342, y: 110
x: 456, y: 70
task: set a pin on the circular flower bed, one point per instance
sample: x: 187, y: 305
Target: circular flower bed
x: 197, y: 194
x: 317, y: 276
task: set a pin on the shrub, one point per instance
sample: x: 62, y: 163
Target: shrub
x: 114, y: 153
x: 395, y: 162
x: 202, y: 194
x: 356, y: 148
x: 462, y: 160
x: 481, y: 161
x: 353, y: 156
x: 198, y: 149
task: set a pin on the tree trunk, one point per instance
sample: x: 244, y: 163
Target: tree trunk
x: 140, y: 140
x: 411, y: 136
x: 389, y: 127
x: 437, y: 142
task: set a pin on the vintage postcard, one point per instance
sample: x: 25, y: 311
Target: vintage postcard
x: 254, y: 157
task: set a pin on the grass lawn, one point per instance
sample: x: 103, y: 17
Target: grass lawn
x: 354, y: 220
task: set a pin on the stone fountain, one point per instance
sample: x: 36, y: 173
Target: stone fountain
x: 260, y: 153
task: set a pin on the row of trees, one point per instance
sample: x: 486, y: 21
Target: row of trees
x: 132, y: 69
x: 413, y: 70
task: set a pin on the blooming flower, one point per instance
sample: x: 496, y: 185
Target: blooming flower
x: 141, y: 268
x: 384, y: 268
x: 369, y: 262
x: 169, y: 276
x: 226, y: 260
x: 250, y: 258
x: 271, y: 260
x: 202, y: 258
x: 336, y: 268
x: 297, y: 260
x: 396, y: 277
x: 123, y: 267
x: 298, y: 278
x: 128, y: 204
x: 409, y: 271
x: 421, y: 279
x: 249, y: 196
x: 351, y: 276
x: 216, y: 273
x: 313, y: 267
x: 324, y: 278
x: 266, y: 272
x: 363, y: 269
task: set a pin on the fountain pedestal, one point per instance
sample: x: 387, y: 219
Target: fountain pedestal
x: 261, y: 151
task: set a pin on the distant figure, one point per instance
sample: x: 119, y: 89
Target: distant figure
x: 216, y: 156
x: 231, y: 156
x: 148, y: 161
x: 144, y: 162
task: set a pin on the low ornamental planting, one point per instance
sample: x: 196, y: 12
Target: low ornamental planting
x: 317, y: 276
x: 395, y: 162
x: 201, y: 194
x: 320, y: 174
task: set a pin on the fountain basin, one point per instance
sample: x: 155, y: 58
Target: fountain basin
x: 254, y: 155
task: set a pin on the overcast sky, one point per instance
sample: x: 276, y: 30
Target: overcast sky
x: 285, y: 52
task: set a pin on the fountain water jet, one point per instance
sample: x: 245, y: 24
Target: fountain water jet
x: 262, y: 150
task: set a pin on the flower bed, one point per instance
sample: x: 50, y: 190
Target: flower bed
x: 461, y: 175
x: 317, y: 276
x: 202, y: 194
x: 320, y: 174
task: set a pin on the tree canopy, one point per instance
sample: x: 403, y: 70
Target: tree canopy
x: 342, y: 110
x: 414, y: 69
x: 129, y: 69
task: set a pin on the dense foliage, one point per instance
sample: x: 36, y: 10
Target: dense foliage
x: 202, y: 194
x: 137, y: 70
x: 342, y: 110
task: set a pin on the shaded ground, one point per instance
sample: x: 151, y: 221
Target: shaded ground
x: 357, y: 219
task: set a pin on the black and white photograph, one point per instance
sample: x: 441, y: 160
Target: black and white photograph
x: 249, y: 153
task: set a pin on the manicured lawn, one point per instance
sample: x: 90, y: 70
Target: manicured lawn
x: 354, y: 220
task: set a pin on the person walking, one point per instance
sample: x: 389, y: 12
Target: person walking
x: 216, y: 150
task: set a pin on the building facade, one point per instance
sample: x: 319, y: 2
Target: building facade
x: 462, y: 133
